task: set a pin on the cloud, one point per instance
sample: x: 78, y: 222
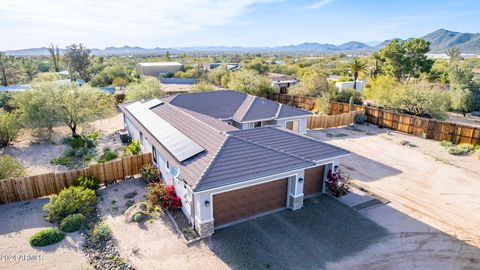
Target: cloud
x: 134, y: 21
x: 319, y: 4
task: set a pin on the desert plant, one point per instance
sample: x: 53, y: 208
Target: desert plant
x: 65, y: 161
x: 89, y: 182
x: 73, y: 223
x: 137, y: 217
x: 69, y: 201
x: 10, y: 127
x: 107, y: 155
x: 163, y: 195
x: 10, y: 167
x: 100, y: 232
x: 346, y: 94
x: 446, y: 143
x: 133, y: 148
x: 150, y: 173
x: 46, y: 237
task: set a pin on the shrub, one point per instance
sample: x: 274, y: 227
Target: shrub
x: 107, y: 155
x: 79, y: 153
x: 46, y: 237
x: 73, y: 223
x: 61, y: 161
x: 150, y: 173
x: 360, y: 118
x: 460, y: 149
x: 137, y: 217
x: 163, y: 195
x: 10, y: 127
x: 345, y: 94
x: 89, y: 182
x: 93, y: 135
x: 69, y: 201
x: 100, y: 232
x: 446, y: 143
x: 133, y: 148
x: 10, y: 167
x: 77, y: 142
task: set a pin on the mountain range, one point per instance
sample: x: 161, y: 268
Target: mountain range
x: 440, y: 41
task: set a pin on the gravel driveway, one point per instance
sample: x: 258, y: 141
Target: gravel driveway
x: 322, y: 232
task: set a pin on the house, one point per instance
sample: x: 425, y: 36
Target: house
x: 223, y: 174
x: 227, y: 66
x: 15, y: 88
x: 281, y: 81
x: 158, y: 68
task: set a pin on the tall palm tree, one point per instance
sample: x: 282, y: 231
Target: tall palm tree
x: 357, y: 67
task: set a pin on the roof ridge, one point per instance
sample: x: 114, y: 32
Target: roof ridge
x: 269, y: 147
x: 209, y: 165
x: 248, y: 98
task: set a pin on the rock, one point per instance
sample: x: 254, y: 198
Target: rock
x: 404, y: 142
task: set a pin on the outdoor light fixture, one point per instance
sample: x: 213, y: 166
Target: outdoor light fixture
x: 300, y: 180
x: 207, y: 203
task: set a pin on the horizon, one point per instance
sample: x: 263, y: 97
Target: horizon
x: 209, y: 23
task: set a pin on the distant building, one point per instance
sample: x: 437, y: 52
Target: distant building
x: 282, y: 81
x: 15, y: 88
x: 158, y: 68
x: 228, y: 66
x: 342, y: 85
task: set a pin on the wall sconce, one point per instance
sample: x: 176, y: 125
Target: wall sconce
x: 207, y: 203
x: 300, y: 180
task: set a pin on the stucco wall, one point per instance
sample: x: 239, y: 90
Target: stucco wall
x: 302, y: 128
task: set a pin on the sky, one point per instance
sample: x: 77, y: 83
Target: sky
x: 186, y: 23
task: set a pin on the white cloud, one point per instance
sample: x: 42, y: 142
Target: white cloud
x: 319, y: 4
x: 134, y: 22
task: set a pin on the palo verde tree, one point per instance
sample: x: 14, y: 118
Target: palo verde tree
x: 49, y: 105
x: 406, y: 59
x: 356, y: 67
x: 148, y: 88
x: 77, y: 59
x: 10, y: 69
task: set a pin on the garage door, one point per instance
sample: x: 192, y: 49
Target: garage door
x: 246, y: 202
x: 313, y: 181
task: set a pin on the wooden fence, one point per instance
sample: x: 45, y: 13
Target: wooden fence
x: 328, y: 121
x: 31, y: 187
x: 418, y: 126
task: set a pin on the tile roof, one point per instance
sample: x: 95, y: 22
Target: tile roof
x: 229, y: 104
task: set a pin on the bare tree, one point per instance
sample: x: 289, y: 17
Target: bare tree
x: 55, y: 54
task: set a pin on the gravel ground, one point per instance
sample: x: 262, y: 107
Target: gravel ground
x: 18, y: 222
x: 430, y: 185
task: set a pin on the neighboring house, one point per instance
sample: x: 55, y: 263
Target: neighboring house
x: 222, y: 174
x: 156, y: 69
x: 15, y: 88
x: 178, y: 80
x: 228, y: 66
x: 282, y: 81
x: 343, y: 85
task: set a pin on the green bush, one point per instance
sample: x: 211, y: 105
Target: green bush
x: 133, y: 148
x: 73, y: 223
x: 10, y: 127
x: 100, y: 232
x: 107, y: 155
x: 61, y: 161
x: 69, y: 201
x: 89, y: 182
x: 150, y: 173
x: 137, y: 217
x: 77, y: 142
x: 460, y: 149
x: 46, y: 237
x: 93, y: 135
x: 10, y: 167
x: 345, y: 94
x: 446, y: 143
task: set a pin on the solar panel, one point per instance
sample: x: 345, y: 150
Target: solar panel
x: 177, y: 143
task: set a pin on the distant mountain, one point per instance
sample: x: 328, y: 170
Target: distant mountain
x: 440, y: 40
x: 443, y: 39
x: 354, y: 45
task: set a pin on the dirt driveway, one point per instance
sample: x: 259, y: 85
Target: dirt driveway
x: 424, y: 181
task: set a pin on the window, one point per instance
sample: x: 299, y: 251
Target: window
x: 154, y: 154
x: 168, y: 165
x: 257, y: 124
x: 141, y: 137
x: 292, y: 125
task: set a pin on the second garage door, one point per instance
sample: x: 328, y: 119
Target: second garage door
x: 313, y: 181
x: 242, y: 203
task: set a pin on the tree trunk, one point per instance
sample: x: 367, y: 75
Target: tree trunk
x: 4, y: 77
x: 355, y: 76
x: 74, y: 130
